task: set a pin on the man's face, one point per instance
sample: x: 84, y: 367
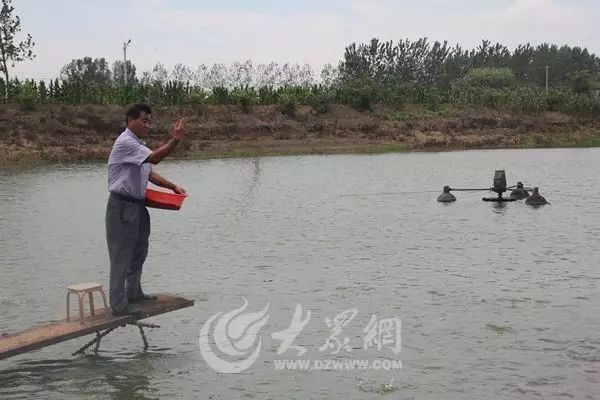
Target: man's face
x: 141, y: 125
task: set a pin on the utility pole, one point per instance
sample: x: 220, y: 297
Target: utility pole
x: 125, y: 59
x: 547, y: 69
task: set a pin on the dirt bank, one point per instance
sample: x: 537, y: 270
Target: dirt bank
x: 61, y: 133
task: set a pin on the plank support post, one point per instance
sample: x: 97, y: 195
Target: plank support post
x: 100, y: 335
x: 141, y: 326
x: 96, y: 341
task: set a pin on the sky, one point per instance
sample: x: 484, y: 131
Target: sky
x: 197, y: 32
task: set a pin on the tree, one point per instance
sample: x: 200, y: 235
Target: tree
x: 160, y: 74
x: 267, y: 75
x: 86, y: 70
x: 118, y: 73
x: 241, y: 74
x: 329, y: 75
x: 146, y: 78
x: 306, y: 76
x: 11, y: 50
x: 582, y: 81
x: 521, y: 62
x: 182, y: 73
x: 217, y: 76
x: 199, y: 76
x: 290, y: 74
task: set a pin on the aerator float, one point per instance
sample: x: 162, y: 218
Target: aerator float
x: 518, y: 192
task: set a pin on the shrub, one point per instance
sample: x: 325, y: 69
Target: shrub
x: 319, y: 103
x: 220, y: 95
x: 27, y: 97
x: 494, y: 78
x: 245, y: 97
x: 288, y: 106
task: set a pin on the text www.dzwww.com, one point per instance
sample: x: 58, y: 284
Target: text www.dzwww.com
x: 324, y: 365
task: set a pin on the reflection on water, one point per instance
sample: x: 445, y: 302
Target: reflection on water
x: 499, y: 208
x: 497, y: 300
x: 121, y: 376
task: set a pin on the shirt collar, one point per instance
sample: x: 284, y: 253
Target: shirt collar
x: 133, y: 135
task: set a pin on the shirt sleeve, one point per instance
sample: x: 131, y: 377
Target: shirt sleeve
x: 132, y: 152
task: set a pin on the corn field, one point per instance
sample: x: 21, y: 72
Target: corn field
x: 361, y: 94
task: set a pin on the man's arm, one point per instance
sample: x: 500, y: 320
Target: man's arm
x: 163, y: 151
x: 163, y: 182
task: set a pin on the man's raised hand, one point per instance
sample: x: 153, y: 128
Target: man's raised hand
x: 179, y: 129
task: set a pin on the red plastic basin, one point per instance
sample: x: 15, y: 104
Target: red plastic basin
x: 164, y: 200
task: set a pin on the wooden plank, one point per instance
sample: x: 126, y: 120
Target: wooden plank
x: 60, y: 331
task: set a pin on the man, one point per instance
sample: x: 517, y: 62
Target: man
x: 127, y: 219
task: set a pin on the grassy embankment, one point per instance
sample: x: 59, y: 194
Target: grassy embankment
x: 67, y: 133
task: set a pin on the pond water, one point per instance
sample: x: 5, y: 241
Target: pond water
x: 495, y: 301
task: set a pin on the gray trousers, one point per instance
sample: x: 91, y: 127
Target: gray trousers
x: 127, y: 233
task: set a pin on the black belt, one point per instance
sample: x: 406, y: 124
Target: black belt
x: 127, y: 198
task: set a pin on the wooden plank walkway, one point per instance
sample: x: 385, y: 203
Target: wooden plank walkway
x: 60, y: 331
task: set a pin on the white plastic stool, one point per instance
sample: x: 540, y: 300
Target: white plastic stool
x: 81, y: 289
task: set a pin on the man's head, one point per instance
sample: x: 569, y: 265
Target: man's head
x: 137, y: 119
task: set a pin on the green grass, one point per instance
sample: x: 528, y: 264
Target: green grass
x: 550, y: 142
x: 24, y: 161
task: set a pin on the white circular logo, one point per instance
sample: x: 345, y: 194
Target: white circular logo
x: 234, y: 335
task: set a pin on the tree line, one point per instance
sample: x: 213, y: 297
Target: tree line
x: 419, y: 62
x: 437, y: 63
x: 97, y: 71
x: 387, y: 72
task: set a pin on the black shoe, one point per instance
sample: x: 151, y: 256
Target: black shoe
x: 143, y: 297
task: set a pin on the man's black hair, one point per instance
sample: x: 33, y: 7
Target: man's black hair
x: 135, y: 110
